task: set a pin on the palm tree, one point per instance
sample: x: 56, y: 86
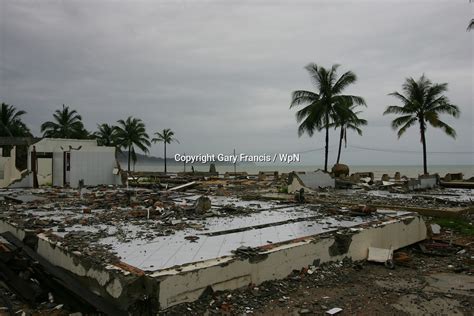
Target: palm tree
x: 423, y: 101
x: 67, y: 124
x: 11, y: 124
x: 130, y: 133
x: 322, y: 106
x: 166, y: 136
x: 347, y: 119
x: 106, y: 135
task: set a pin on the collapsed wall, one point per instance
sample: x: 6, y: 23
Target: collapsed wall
x: 187, y: 283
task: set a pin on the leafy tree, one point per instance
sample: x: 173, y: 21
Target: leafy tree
x: 106, y: 135
x: 130, y: 133
x: 423, y: 102
x: 67, y: 123
x: 11, y: 124
x: 166, y: 136
x: 324, y: 104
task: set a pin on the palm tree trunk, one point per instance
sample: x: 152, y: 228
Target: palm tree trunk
x: 326, y: 151
x: 340, y: 145
x: 165, y: 158
x: 423, y: 141
x: 129, y: 156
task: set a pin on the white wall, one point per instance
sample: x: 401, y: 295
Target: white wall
x: 45, y: 171
x: 10, y: 172
x: 58, y: 168
x: 48, y: 145
x: 95, y: 167
x: 312, y: 181
x: 94, y: 164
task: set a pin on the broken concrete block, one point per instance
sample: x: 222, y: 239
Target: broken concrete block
x: 334, y: 311
x: 379, y: 254
x: 453, y: 177
x: 310, y: 180
x: 435, y: 229
x: 202, y: 204
x: 220, y: 190
x: 424, y: 182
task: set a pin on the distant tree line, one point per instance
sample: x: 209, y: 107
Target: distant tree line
x: 67, y: 123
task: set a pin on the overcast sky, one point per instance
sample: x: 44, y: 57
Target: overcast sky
x: 221, y: 75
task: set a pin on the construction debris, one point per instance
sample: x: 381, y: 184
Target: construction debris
x: 148, y: 243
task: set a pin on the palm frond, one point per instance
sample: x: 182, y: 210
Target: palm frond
x: 303, y: 97
x: 447, y: 108
x: 395, y: 109
x: 401, y: 97
x: 345, y: 80
x: 399, y: 121
x: 407, y: 125
x: 446, y: 128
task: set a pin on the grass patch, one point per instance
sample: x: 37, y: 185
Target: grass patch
x: 457, y: 224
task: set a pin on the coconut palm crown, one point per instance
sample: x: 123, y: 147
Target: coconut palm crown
x: 67, y: 123
x: 11, y: 124
x: 131, y: 133
x: 325, y: 103
x: 106, y: 135
x: 422, y: 103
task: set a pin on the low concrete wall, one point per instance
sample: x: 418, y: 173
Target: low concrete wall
x: 231, y: 273
x: 122, y: 288
x: 170, y: 287
x: 10, y: 172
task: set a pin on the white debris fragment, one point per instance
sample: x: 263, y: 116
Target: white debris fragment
x: 334, y: 311
x: 379, y: 254
x: 436, y: 229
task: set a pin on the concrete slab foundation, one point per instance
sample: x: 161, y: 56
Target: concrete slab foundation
x: 224, y: 253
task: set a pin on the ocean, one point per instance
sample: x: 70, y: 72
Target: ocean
x: 378, y: 170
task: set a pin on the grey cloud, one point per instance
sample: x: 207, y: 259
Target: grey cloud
x: 220, y: 75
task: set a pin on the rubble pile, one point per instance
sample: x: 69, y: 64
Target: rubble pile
x: 78, y: 220
x: 354, y: 287
x: 101, y: 224
x: 433, y: 198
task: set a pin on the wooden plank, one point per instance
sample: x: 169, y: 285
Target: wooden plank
x: 183, y: 186
x: 66, y: 280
